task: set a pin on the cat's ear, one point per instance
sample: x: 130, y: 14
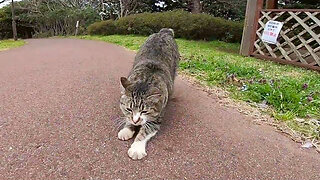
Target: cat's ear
x: 124, y: 84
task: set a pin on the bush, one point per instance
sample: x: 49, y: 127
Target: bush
x: 102, y: 28
x: 185, y: 25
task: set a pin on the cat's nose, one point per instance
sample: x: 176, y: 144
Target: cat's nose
x: 135, y: 121
x: 136, y: 118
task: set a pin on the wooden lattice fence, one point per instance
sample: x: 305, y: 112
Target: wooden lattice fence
x: 298, y: 42
x: 299, y: 39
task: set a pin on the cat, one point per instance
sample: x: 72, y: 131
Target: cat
x: 146, y: 91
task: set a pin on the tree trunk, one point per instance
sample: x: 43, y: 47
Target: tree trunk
x: 14, y: 26
x: 272, y: 4
x: 121, y: 8
x: 112, y: 15
x: 196, y: 6
x: 102, y: 10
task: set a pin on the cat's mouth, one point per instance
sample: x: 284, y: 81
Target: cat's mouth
x: 137, y: 122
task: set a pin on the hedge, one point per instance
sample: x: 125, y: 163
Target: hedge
x: 185, y: 25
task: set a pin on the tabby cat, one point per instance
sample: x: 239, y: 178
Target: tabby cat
x: 146, y: 91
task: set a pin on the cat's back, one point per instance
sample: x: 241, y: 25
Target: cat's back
x: 160, y: 51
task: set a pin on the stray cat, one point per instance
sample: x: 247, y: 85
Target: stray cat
x: 145, y: 93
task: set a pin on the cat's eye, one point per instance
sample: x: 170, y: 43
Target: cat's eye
x: 144, y: 112
x: 128, y: 109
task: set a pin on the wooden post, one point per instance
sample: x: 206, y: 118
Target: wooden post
x: 272, y: 4
x: 14, y: 25
x: 77, y: 28
x: 250, y: 26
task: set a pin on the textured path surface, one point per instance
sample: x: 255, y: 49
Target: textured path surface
x: 58, y: 102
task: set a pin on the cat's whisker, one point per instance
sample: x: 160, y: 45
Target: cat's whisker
x: 147, y: 127
x: 116, y: 124
x: 120, y: 119
x: 119, y: 122
x: 116, y: 128
x: 150, y: 126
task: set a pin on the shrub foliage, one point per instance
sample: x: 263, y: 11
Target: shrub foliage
x: 185, y: 25
x: 46, y: 18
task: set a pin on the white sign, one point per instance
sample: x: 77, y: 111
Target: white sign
x: 271, y: 32
x: 77, y: 25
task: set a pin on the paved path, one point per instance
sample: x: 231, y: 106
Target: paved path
x: 58, y: 102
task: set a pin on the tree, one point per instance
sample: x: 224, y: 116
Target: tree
x: 52, y: 18
x: 299, y: 4
x: 195, y: 6
x: 228, y: 9
x: 113, y: 9
x: 14, y: 25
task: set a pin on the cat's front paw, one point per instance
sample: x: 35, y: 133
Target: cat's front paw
x: 137, y: 150
x: 125, y: 134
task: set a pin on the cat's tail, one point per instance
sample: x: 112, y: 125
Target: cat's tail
x: 167, y: 31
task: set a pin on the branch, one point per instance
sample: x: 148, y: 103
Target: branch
x: 132, y: 8
x: 2, y: 1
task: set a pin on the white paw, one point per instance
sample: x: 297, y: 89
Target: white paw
x: 137, y: 150
x: 125, y: 134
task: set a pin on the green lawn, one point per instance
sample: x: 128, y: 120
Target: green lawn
x: 7, y: 44
x: 288, y: 92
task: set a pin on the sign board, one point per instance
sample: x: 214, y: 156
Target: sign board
x: 271, y: 32
x: 77, y: 25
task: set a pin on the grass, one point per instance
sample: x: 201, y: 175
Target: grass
x: 289, y: 92
x: 7, y: 44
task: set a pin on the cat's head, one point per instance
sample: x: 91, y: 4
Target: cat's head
x: 140, y: 102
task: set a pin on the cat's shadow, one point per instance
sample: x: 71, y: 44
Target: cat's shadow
x: 170, y: 119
